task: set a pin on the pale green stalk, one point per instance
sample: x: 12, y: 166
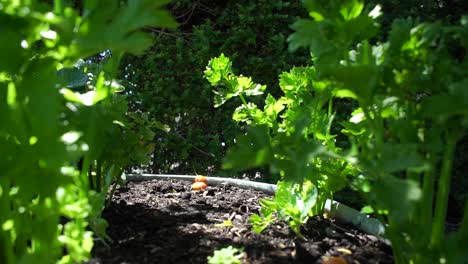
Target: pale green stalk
x: 6, y: 247
x: 443, y: 192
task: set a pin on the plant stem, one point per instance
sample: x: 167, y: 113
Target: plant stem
x: 114, y: 188
x: 426, y: 206
x: 330, y: 106
x: 109, y: 199
x: 443, y: 192
x: 379, y: 128
x: 58, y: 6
x: 243, y: 100
x: 98, y: 175
x: 398, y: 256
x: 6, y: 248
x: 90, y: 177
x: 375, y: 128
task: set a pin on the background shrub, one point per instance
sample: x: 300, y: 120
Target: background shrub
x: 167, y: 81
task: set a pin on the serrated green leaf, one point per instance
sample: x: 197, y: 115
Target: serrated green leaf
x: 250, y: 114
x: 260, y: 223
x: 244, y: 83
x: 218, y: 69
x: 255, y: 89
x: 219, y: 73
x: 117, y: 28
x: 273, y: 107
x: 310, y: 34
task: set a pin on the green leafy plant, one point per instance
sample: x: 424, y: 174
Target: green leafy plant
x: 57, y: 107
x: 227, y: 255
x: 292, y: 203
x: 409, y: 116
x: 291, y: 134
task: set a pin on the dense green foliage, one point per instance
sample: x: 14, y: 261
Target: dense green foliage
x: 168, y: 80
x: 381, y: 111
x: 284, y: 135
x: 57, y: 109
x: 411, y: 111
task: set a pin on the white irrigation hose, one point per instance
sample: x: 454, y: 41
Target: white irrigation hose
x: 334, y: 209
x: 260, y: 186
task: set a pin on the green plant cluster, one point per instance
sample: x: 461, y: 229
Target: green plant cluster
x: 64, y: 130
x: 168, y: 83
x: 227, y: 255
x: 286, y: 136
x: 410, y: 111
x: 449, y: 12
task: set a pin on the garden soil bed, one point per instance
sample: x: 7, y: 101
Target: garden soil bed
x: 167, y: 222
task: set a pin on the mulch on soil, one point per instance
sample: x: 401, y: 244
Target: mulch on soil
x: 167, y: 222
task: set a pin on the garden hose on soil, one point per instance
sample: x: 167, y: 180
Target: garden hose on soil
x: 333, y: 209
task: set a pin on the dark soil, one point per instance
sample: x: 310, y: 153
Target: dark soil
x: 167, y: 222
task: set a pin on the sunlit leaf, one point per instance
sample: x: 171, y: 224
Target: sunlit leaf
x: 351, y: 9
